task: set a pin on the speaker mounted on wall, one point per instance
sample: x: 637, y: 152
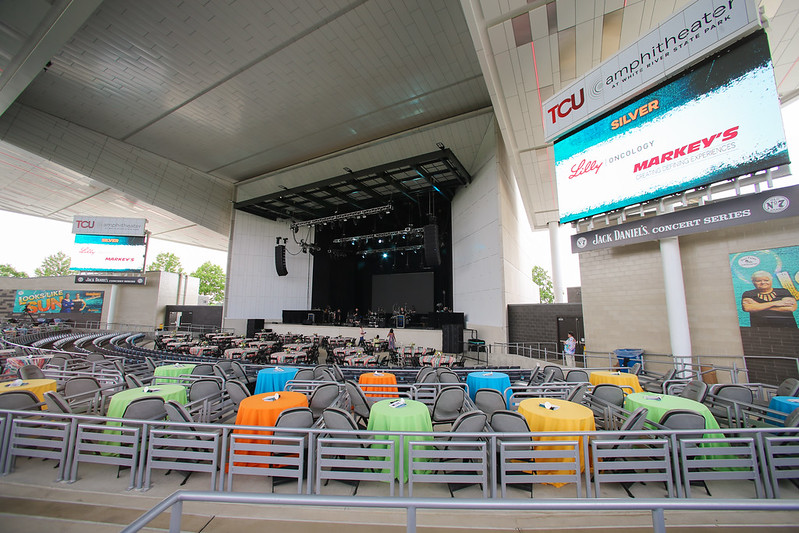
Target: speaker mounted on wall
x: 432, y: 253
x: 280, y: 260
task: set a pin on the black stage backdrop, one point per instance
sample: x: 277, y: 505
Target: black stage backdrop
x: 343, y: 273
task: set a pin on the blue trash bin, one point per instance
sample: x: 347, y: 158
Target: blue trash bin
x: 628, y: 357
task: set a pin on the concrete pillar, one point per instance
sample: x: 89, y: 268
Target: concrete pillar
x: 112, y: 305
x: 676, y: 308
x: 557, y: 268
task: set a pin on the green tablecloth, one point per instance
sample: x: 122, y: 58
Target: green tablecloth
x: 659, y: 404
x: 413, y: 417
x: 119, y: 401
x: 172, y: 371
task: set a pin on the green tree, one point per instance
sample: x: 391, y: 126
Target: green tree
x: 10, y: 272
x: 166, y: 262
x: 212, y: 281
x: 544, y: 282
x: 54, y: 265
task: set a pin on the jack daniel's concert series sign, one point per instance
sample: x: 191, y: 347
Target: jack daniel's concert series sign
x: 768, y: 205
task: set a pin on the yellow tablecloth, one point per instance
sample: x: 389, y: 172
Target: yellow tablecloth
x: 569, y: 416
x: 36, y: 386
x: 622, y: 379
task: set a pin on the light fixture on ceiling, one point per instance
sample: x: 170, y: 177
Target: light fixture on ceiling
x: 440, y: 145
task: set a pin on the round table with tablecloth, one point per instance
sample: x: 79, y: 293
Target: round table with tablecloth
x: 413, y: 416
x: 273, y: 379
x: 120, y: 401
x: 378, y: 384
x: 487, y: 380
x: 36, y: 386
x: 171, y: 371
x: 622, y: 379
x: 566, y: 417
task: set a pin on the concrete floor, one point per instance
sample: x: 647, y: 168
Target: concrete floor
x: 31, y: 500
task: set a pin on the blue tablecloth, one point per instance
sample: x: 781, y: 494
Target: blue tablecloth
x: 487, y: 380
x: 273, y: 379
x: 785, y: 404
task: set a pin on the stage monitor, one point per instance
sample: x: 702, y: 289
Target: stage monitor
x: 717, y: 121
x: 409, y: 290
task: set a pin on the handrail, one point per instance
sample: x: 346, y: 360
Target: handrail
x: 656, y: 506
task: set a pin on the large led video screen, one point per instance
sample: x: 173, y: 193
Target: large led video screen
x: 717, y: 121
x: 108, y: 253
x: 413, y: 290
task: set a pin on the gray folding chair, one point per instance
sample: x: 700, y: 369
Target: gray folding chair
x: 489, y: 401
x: 553, y: 373
x: 31, y: 372
x: 237, y: 391
x: 323, y: 397
x: 83, y: 394
x: 146, y: 408
x: 19, y: 400
x: 359, y: 402
x: 304, y: 374
x: 56, y: 403
x: 133, y: 381
x: 694, y: 390
x: 577, y: 376
x: 448, y: 405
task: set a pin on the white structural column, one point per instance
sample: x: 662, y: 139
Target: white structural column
x: 557, y: 268
x: 112, y: 305
x: 676, y: 307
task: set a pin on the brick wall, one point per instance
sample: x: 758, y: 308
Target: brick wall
x: 538, y: 322
x: 761, y: 343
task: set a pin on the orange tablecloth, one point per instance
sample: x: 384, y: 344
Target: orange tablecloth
x: 374, y: 382
x: 622, y: 379
x: 569, y: 416
x: 36, y: 386
x: 255, y: 411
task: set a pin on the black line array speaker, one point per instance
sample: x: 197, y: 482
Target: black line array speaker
x: 452, y: 338
x: 280, y: 260
x: 432, y: 254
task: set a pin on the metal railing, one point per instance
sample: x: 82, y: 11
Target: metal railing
x: 174, y: 503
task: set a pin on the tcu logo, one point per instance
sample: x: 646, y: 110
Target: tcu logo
x: 85, y: 223
x: 566, y: 106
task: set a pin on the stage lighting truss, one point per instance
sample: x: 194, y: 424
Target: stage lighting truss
x: 385, y: 252
x: 342, y: 217
x: 387, y: 236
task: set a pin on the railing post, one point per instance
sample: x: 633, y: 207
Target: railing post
x: 174, y: 519
x: 411, y: 528
x: 658, y: 521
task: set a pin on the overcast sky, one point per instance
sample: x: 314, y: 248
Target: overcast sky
x: 28, y: 240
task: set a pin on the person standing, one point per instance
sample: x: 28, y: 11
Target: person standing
x: 67, y: 305
x: 768, y: 306
x: 392, y: 341
x: 79, y: 304
x: 569, y: 347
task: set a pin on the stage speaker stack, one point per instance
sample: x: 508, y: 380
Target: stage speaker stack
x: 280, y: 260
x: 432, y: 254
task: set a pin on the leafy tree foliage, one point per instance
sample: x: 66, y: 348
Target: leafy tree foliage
x: 212, y: 281
x: 8, y: 271
x: 55, y: 265
x: 544, y: 282
x: 166, y: 262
